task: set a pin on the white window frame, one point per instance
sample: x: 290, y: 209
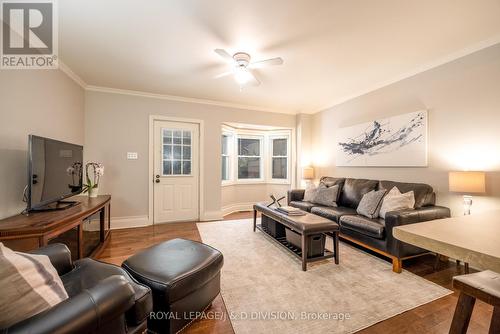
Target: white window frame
x: 266, y: 156
x: 230, y: 155
x: 271, y: 137
x: 261, y: 156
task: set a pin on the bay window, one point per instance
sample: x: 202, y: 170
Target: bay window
x: 249, y: 158
x: 226, y: 159
x: 256, y: 156
x: 279, y: 158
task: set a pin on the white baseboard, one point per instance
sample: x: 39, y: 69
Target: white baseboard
x: 237, y: 207
x: 211, y: 215
x: 129, y: 222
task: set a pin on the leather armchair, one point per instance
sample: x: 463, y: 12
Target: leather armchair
x: 103, y: 298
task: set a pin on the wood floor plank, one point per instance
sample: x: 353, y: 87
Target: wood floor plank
x: 434, y: 317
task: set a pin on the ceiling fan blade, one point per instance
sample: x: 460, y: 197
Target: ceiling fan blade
x: 224, y: 54
x: 267, y: 62
x: 225, y: 74
x: 254, y: 81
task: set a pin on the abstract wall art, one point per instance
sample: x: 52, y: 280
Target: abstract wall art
x: 399, y: 141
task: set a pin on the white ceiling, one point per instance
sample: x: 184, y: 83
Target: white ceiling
x: 333, y: 49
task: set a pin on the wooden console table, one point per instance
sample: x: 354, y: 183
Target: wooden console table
x: 37, y: 229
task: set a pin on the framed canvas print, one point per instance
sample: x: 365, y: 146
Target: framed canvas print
x: 398, y: 141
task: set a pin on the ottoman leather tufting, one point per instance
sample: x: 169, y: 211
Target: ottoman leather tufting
x: 184, y: 277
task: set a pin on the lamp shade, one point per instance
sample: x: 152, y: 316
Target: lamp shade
x: 308, y: 173
x: 467, y: 182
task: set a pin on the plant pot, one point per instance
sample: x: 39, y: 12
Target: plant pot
x: 93, y: 192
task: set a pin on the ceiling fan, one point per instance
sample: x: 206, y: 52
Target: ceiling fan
x: 242, y: 67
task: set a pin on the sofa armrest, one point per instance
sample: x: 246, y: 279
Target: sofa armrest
x: 86, y: 312
x: 295, y: 195
x: 405, y: 217
x: 398, y: 218
x: 59, y: 255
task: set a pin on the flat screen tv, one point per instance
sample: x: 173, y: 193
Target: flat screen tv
x: 54, y: 173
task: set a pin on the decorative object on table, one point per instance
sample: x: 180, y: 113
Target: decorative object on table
x: 399, y: 141
x: 275, y: 201
x: 467, y: 183
x: 291, y: 211
x: 93, y: 171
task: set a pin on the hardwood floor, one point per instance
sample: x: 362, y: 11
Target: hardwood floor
x: 434, y: 317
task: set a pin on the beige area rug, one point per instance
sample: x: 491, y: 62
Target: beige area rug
x: 265, y: 290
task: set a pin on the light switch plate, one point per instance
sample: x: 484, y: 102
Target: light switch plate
x: 132, y: 156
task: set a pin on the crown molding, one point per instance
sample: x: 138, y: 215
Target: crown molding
x: 181, y: 99
x: 426, y: 67
x: 72, y: 75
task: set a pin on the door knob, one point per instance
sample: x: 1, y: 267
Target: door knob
x: 157, y: 180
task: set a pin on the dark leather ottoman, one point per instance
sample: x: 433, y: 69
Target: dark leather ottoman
x: 184, y: 277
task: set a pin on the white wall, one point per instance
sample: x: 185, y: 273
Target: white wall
x: 116, y: 124
x: 463, y: 99
x: 242, y: 197
x: 304, y: 145
x: 42, y: 102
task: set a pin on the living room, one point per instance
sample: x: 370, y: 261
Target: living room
x: 200, y: 149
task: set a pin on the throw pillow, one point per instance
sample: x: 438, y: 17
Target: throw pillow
x: 310, y: 193
x: 326, y: 195
x: 30, y: 284
x: 369, y: 206
x: 395, y: 201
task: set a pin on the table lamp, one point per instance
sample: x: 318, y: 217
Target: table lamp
x: 308, y: 175
x: 467, y: 183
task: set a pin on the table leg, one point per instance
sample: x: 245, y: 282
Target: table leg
x: 336, y: 247
x: 495, y: 321
x: 304, y: 252
x: 463, y: 311
x: 254, y: 219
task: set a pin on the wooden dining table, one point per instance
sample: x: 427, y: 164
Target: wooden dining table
x: 474, y: 239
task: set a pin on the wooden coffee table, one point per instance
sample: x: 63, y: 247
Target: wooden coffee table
x: 306, y: 225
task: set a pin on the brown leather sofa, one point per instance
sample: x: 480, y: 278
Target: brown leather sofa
x: 374, y: 234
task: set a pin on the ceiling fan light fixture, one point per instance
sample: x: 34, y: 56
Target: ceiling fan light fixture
x: 242, y: 75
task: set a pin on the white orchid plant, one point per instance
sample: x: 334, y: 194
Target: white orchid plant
x: 93, y: 171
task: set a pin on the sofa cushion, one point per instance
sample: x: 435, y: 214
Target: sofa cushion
x: 332, y: 212
x: 310, y: 193
x: 30, y: 285
x: 303, y: 205
x: 395, y: 201
x: 371, y: 227
x: 333, y: 181
x: 326, y: 196
x: 369, y: 206
x: 424, y: 194
x: 353, y: 191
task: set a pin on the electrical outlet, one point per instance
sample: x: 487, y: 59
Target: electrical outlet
x: 132, y: 156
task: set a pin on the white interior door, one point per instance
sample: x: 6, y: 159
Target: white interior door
x: 176, y: 171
